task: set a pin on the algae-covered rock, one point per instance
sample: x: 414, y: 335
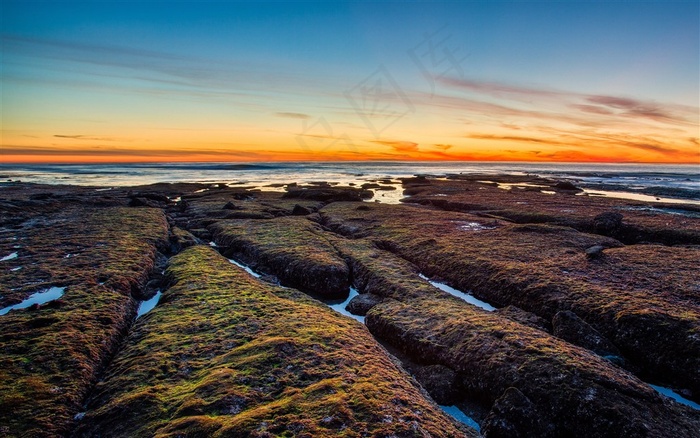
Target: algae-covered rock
x: 52, y: 355
x: 524, y: 317
x: 292, y: 248
x: 568, y: 326
x: 226, y: 355
x: 569, y: 390
x: 675, y: 224
x: 514, y: 416
x: 362, y: 303
x: 643, y: 298
x: 328, y: 194
x: 181, y: 239
x: 441, y: 382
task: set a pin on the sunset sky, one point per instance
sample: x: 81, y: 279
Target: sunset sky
x: 245, y: 81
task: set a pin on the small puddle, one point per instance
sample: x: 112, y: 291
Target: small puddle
x: 666, y: 210
x: 339, y: 306
x: 9, y: 257
x: 677, y: 397
x: 245, y: 268
x: 521, y: 186
x: 50, y: 294
x: 460, y: 416
x: 474, y: 226
x: 213, y: 244
x: 471, y: 299
x: 387, y: 197
x: 148, y: 305
x: 636, y: 197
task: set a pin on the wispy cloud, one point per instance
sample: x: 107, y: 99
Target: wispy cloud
x: 498, y: 89
x: 159, y: 74
x: 588, y: 103
x: 520, y: 139
x: 89, y: 137
x: 633, y: 107
x: 300, y: 116
x: 399, y: 146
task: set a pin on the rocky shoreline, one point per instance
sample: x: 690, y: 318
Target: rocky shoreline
x: 587, y: 301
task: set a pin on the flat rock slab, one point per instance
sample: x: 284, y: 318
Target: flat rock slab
x: 226, y: 355
x: 539, y: 200
x: 52, y: 354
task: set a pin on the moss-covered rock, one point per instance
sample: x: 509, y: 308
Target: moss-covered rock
x: 641, y: 297
x: 293, y: 249
x: 226, y: 355
x: 531, y: 199
x: 51, y: 355
x: 570, y: 391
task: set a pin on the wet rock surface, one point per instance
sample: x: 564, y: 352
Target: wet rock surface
x: 53, y: 353
x: 569, y: 327
x: 224, y: 354
x: 237, y: 357
x: 492, y: 354
x: 292, y: 248
x: 637, y: 296
x: 521, y: 199
x: 362, y: 303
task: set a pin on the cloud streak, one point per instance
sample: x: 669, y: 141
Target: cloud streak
x: 399, y: 146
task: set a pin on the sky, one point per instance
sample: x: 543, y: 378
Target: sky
x: 553, y: 81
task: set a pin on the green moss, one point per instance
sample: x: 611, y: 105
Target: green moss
x: 543, y: 269
x: 52, y: 356
x: 265, y: 360
x: 570, y: 387
x: 292, y: 248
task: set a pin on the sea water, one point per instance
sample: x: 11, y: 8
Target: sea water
x: 681, y: 181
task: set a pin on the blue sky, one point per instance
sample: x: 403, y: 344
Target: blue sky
x: 140, y: 67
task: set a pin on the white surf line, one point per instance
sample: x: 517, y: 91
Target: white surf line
x: 457, y: 414
x: 668, y: 392
x: 471, y: 299
x: 148, y: 305
x: 340, y: 306
x: 9, y: 257
x: 50, y: 294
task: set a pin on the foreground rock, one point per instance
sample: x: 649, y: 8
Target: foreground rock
x: 570, y: 391
x: 533, y: 384
x: 53, y: 353
x: 642, y: 298
x: 226, y: 355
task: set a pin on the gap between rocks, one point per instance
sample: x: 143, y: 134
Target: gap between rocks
x: 146, y: 298
x: 339, y: 305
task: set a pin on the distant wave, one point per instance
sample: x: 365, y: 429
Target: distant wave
x: 104, y: 168
x: 214, y: 166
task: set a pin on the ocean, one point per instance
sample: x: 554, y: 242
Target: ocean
x: 667, y: 183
